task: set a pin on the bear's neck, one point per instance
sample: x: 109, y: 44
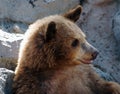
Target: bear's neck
x: 41, y: 62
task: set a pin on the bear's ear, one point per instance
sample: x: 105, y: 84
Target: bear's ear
x: 73, y: 14
x: 51, y: 31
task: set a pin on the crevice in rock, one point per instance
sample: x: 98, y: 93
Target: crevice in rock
x: 82, y: 2
x: 32, y: 2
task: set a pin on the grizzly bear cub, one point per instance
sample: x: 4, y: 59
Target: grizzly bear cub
x: 55, y: 58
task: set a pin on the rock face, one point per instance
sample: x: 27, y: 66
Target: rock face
x: 103, y: 74
x: 29, y: 10
x: 9, y: 46
x: 97, y: 22
x: 116, y: 28
x: 6, y: 78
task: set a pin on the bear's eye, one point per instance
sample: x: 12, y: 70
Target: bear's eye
x: 75, y: 43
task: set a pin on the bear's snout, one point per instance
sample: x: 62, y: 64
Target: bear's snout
x: 90, y: 51
x: 94, y: 54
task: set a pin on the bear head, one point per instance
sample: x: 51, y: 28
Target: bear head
x: 56, y: 41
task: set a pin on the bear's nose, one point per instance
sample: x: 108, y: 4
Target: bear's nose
x: 94, y: 55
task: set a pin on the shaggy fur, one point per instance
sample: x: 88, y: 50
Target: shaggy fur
x: 55, y: 58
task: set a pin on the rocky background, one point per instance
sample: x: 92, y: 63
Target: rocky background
x: 100, y: 20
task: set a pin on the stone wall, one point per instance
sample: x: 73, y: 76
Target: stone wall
x: 100, y: 21
x: 30, y: 10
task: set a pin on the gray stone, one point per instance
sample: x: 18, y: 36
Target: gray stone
x: 12, y: 26
x: 6, y: 79
x: 104, y: 75
x: 116, y: 29
x: 116, y: 26
x: 9, y: 47
x: 97, y: 2
x: 29, y: 10
x: 48, y: 1
x: 96, y: 22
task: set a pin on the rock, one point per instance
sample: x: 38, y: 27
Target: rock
x: 9, y: 46
x: 116, y: 26
x: 103, y: 74
x: 6, y: 78
x: 96, y: 22
x: 12, y: 26
x: 97, y: 2
x: 29, y: 10
x: 116, y: 29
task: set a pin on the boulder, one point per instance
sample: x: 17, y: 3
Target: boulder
x: 103, y: 74
x: 13, y: 26
x: 97, y: 23
x: 99, y: 2
x: 116, y: 29
x: 30, y: 10
x: 6, y: 79
x: 9, y: 47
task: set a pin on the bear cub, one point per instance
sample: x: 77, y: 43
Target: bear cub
x: 55, y: 58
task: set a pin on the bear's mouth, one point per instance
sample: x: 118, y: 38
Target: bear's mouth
x: 86, y: 61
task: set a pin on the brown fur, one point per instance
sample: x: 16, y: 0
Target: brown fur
x: 51, y: 60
